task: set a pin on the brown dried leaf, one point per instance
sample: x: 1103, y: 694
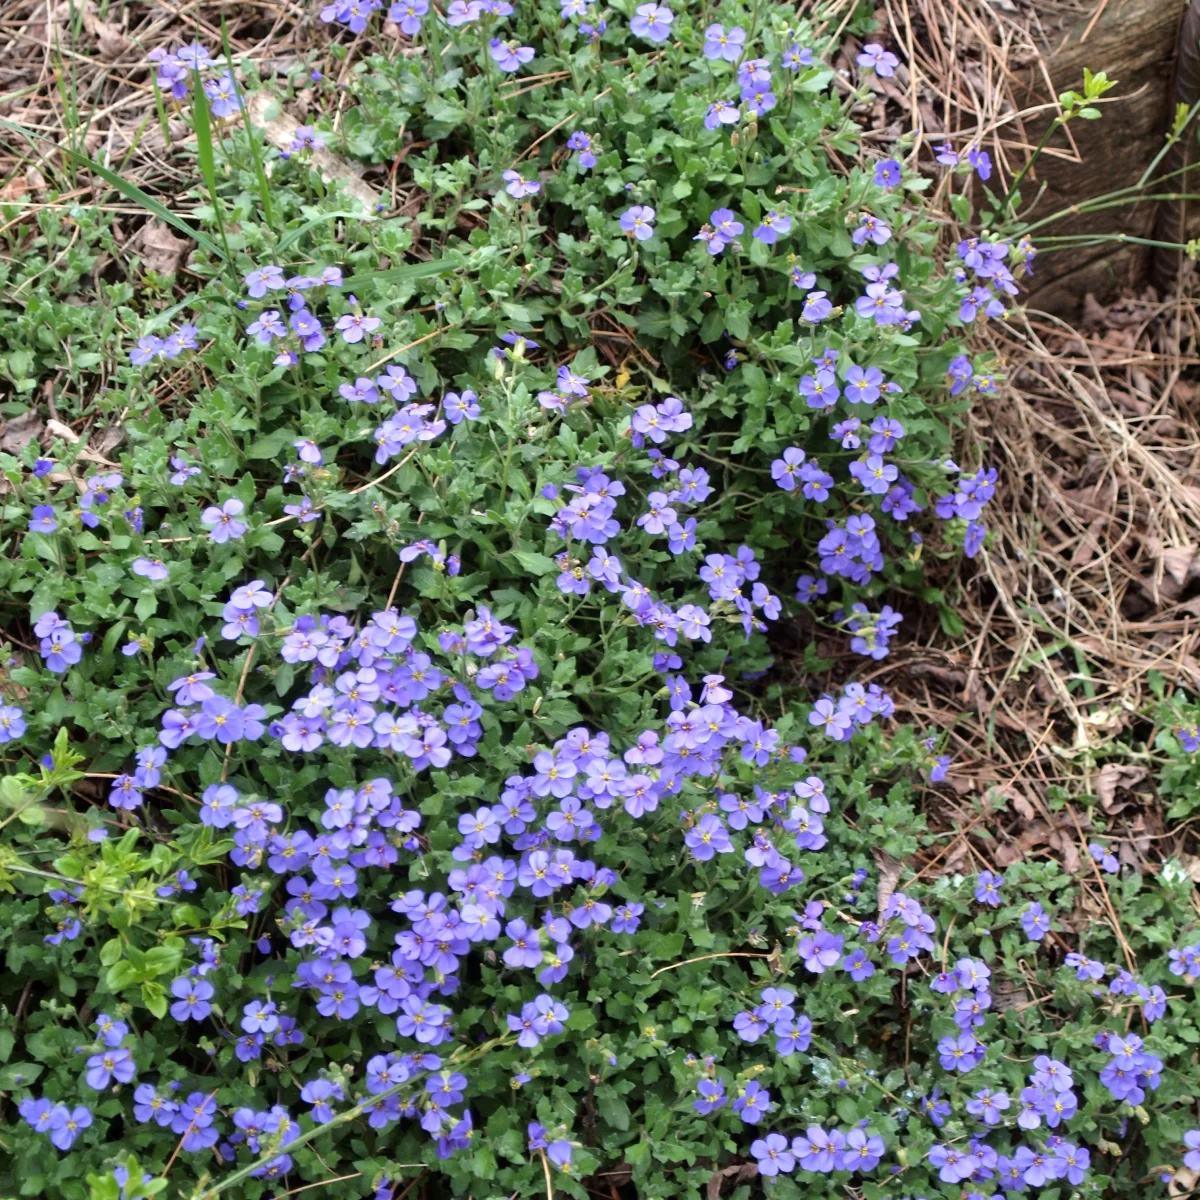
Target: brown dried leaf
x: 1191, y: 864
x: 108, y: 440
x: 161, y: 251
x: 889, y: 876
x: 738, y: 1173
x: 20, y: 431
x: 1006, y: 995
x: 110, y: 41
x: 1063, y: 841
x: 1114, y: 777
x: 1177, y: 562
x: 14, y: 189
x: 59, y: 430
x: 1022, y: 805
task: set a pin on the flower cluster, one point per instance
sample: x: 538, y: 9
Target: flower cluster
x: 175, y: 69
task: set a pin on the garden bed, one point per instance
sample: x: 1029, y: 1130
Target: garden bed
x: 566, y: 632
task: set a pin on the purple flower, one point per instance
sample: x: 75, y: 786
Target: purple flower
x: 817, y: 1151
x: 355, y: 326
x: 719, y: 44
x: 753, y: 1104
x: 268, y: 325
x: 509, y: 56
x: 819, y: 390
x: 653, y: 22
x: 722, y: 112
x: 147, y: 350
x: 1191, y: 1142
x: 987, y: 889
x: 863, y: 386
x: 875, y: 475
x: 887, y: 172
x: 773, y: 224
x: 821, y: 951
x: 712, y: 1096
x: 875, y: 57
x: 150, y: 568
x: 936, y: 1109
x: 627, y: 918
x: 954, y: 1165
x: 961, y: 1053
x: 773, y: 1154
x: 863, y: 1151
x: 639, y: 220
x: 222, y: 96
x: 43, y: 519
x: 816, y: 305
x: 871, y: 229
x: 981, y: 162
x: 192, y: 999
x: 988, y: 1106
x: 223, y: 522
x: 858, y: 965
x: 103, y: 1068
x: 74, y: 1122
x: 263, y: 279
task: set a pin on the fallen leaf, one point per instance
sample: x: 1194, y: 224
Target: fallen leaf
x: 108, y: 440
x: 889, y: 876
x: 20, y: 431
x: 110, y: 41
x: 1177, y: 562
x: 1006, y: 995
x: 1191, y: 865
x: 59, y: 430
x: 1114, y: 777
x: 1022, y: 805
x: 1064, y: 842
x: 160, y: 250
x: 14, y: 189
x: 738, y: 1173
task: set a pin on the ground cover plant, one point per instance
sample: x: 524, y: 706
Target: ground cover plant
x: 399, y: 792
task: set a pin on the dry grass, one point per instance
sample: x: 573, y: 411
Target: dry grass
x: 1090, y: 580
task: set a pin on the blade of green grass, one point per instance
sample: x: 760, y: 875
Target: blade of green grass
x: 135, y: 194
x: 202, y: 123
x: 130, y: 191
x: 422, y: 270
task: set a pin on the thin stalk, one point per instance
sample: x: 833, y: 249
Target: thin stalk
x: 1172, y: 138
x: 1020, y: 175
x: 260, y: 175
x: 1085, y: 239
x: 351, y: 1114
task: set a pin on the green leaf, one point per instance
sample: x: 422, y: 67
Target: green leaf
x: 292, y: 236
x: 154, y: 997
x: 534, y: 563
x: 409, y: 272
x: 202, y: 123
x: 18, y: 1075
x: 613, y: 1108
x: 120, y: 976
